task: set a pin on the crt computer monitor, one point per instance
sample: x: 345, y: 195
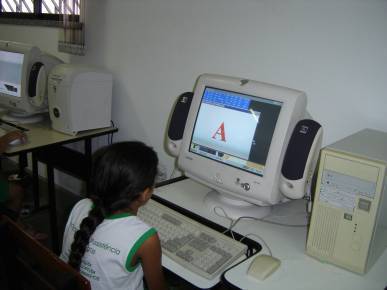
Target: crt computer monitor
x: 235, y: 138
x: 23, y: 80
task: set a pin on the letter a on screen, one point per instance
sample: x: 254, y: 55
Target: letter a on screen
x: 221, y: 132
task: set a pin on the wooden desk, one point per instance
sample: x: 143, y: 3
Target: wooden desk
x: 45, y: 145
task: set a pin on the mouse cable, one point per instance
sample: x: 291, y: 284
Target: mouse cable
x: 223, y: 276
x: 249, y: 253
x: 173, y: 172
x: 234, y: 222
x: 225, y: 215
x: 260, y: 239
x: 269, y: 222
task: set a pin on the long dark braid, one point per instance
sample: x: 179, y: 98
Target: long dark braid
x: 120, y: 172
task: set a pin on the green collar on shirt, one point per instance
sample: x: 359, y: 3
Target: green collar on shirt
x: 116, y: 215
x: 119, y: 215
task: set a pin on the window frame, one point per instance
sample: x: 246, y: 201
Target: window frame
x: 36, y: 18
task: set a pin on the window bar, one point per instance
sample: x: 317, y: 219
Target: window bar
x: 46, y: 6
x: 17, y: 6
x: 57, y: 7
x: 60, y: 7
x: 26, y: 5
x: 9, y: 6
x: 37, y: 6
x: 68, y: 8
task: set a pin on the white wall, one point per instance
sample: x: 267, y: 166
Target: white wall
x: 335, y: 50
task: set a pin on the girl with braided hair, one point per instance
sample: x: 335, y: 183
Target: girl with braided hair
x: 103, y: 238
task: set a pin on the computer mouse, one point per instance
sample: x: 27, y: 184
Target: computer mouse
x: 263, y: 266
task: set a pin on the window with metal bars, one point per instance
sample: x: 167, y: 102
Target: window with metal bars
x: 40, y: 9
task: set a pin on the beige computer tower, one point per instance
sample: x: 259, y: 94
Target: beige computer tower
x: 349, y: 218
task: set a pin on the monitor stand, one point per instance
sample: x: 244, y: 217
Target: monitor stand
x: 20, y: 118
x: 226, y: 205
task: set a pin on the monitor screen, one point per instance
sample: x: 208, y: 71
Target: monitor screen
x: 11, y: 66
x: 235, y: 129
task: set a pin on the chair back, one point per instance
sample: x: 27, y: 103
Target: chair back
x: 30, y: 265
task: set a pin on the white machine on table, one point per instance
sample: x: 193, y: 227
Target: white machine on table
x: 349, y: 219
x: 80, y: 98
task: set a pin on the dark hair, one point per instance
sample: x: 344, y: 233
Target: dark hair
x: 120, y: 172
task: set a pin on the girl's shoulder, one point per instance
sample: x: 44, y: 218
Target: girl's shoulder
x: 84, y: 202
x: 83, y: 205
x: 132, y: 222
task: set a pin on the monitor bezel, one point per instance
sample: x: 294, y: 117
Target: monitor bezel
x: 21, y: 56
x: 21, y: 104
x: 263, y: 190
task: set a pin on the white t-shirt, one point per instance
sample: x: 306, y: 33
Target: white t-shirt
x: 106, y: 262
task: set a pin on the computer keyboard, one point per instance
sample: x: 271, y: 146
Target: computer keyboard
x: 194, y: 246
